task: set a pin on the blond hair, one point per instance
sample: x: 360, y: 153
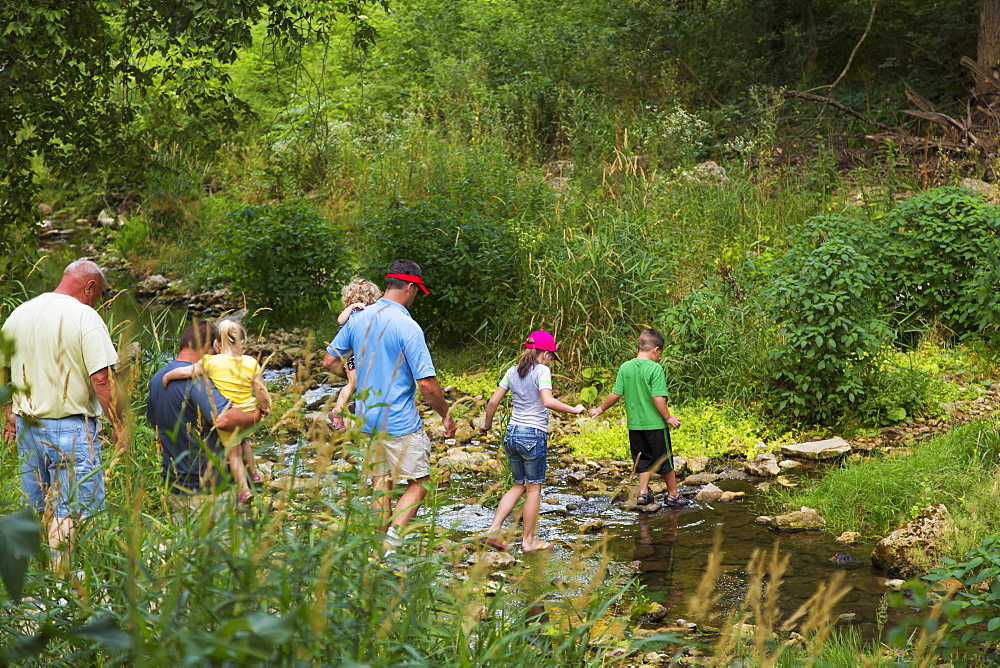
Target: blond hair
x: 360, y: 290
x: 230, y: 337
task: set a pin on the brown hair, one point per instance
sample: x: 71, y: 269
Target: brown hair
x: 197, y: 335
x: 528, y: 359
x: 360, y: 290
x: 650, y: 339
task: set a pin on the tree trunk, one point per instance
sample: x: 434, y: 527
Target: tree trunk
x: 988, y: 46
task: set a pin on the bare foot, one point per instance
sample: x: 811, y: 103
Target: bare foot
x: 540, y: 545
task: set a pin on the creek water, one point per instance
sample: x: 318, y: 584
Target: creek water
x: 667, y: 550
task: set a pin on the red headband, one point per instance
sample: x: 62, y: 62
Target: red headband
x: 412, y: 279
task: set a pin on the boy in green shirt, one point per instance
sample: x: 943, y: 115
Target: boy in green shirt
x: 644, y: 385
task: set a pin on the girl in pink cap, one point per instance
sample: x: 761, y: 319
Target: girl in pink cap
x: 526, y: 440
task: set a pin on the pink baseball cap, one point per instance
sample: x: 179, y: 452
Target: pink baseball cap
x: 542, y: 340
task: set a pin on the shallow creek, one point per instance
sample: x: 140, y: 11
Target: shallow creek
x: 667, y: 549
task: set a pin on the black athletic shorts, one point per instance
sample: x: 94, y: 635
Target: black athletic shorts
x: 651, y: 447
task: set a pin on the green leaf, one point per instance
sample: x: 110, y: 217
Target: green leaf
x: 20, y: 539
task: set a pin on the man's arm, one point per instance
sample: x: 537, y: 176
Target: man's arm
x: 335, y: 365
x: 661, y: 407
x: 104, y: 387
x: 431, y: 389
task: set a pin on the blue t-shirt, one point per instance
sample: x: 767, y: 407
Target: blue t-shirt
x: 184, y: 413
x: 391, y: 355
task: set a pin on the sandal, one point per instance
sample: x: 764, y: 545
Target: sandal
x: 672, y: 501
x: 645, y: 499
x: 245, y: 497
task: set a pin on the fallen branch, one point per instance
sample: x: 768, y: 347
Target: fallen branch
x: 798, y: 95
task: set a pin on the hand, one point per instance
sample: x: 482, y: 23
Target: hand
x: 449, y: 427
x: 356, y: 306
x: 595, y: 412
x: 579, y: 409
x: 485, y: 430
x: 265, y: 412
x: 9, y: 425
x: 119, y: 436
x: 674, y: 421
x: 165, y: 381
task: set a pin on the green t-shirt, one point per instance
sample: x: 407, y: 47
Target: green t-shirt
x: 639, y: 381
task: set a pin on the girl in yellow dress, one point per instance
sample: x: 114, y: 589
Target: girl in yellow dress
x: 238, y: 377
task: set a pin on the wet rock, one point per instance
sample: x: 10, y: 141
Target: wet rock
x: 731, y: 496
x: 651, y: 613
x: 708, y: 493
x: 697, y: 464
x: 849, y: 537
x: 825, y: 449
x: 464, y: 434
x: 763, y: 465
x: 786, y: 464
x: 701, y: 479
x: 916, y: 546
x: 894, y: 584
x: 491, y: 561
x: 594, y: 486
x: 680, y: 466
x: 842, y: 559
x: 576, y: 478
x: 848, y: 617
x: 458, y: 459
x: 648, y: 508
x: 592, y: 526
x: 803, y: 519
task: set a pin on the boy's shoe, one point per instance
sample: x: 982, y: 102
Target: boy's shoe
x: 671, y: 501
x: 645, y: 499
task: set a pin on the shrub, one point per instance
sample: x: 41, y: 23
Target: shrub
x: 469, y: 258
x: 286, y: 257
x: 833, y: 332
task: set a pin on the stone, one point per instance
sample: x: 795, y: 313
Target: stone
x: 458, y: 459
x: 648, y: 508
x: 849, y: 537
x: 710, y: 170
x: 763, y: 465
x: 44, y: 210
x: 915, y: 547
x: 592, y: 526
x: 491, y: 561
x: 701, y: 479
x: 576, y: 478
x: 680, y: 466
x: 804, y: 519
x: 152, y: 285
x: 696, y: 464
x: 825, y: 449
x: 786, y: 464
x: 894, y: 584
x: 980, y: 187
x: 708, y: 493
x: 731, y: 496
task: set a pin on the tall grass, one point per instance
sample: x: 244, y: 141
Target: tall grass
x: 877, y: 495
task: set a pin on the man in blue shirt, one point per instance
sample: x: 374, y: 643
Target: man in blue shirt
x: 186, y: 415
x: 392, y: 360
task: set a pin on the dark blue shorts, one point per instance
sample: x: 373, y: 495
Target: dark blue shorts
x: 528, y: 451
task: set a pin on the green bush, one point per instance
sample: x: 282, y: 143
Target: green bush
x: 470, y: 260
x: 833, y: 332
x: 285, y: 257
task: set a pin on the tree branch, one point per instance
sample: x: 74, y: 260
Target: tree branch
x: 798, y: 95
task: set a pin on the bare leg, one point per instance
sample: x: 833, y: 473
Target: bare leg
x: 381, y: 486
x: 61, y: 531
x: 671, y: 480
x: 409, y: 503
x: 644, y: 482
x: 248, y: 462
x: 504, y: 508
x: 234, y: 455
x: 532, y: 503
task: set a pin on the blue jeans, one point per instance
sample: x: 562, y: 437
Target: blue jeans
x: 528, y: 451
x: 61, y: 458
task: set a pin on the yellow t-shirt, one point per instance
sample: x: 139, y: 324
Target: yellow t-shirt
x: 59, y: 342
x: 233, y: 377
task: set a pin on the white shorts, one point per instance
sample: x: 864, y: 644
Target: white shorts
x: 401, y: 457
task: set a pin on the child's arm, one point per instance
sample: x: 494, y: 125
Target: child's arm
x: 183, y: 373
x: 661, y: 406
x: 554, y: 404
x: 263, y: 398
x: 337, y: 414
x: 608, y: 403
x: 491, y: 408
x: 346, y: 313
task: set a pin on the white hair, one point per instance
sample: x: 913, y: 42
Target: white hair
x: 86, y: 268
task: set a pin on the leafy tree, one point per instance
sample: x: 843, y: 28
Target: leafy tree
x: 75, y: 75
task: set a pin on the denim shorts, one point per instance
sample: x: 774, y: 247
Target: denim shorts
x: 61, y: 460
x: 528, y: 451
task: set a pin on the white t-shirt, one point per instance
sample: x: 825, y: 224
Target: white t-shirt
x: 529, y: 411
x: 59, y: 342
